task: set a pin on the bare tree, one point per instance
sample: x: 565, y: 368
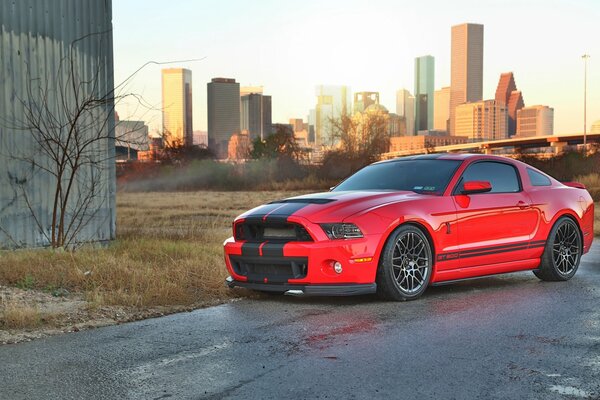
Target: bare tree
x: 68, y: 115
x: 363, y: 135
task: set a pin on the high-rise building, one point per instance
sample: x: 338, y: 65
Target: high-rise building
x: 223, y: 95
x: 466, y: 67
x: 535, y: 121
x: 595, y: 127
x: 507, y: 94
x: 332, y: 103
x: 441, y: 109
x: 362, y: 100
x: 424, y: 84
x: 482, y: 120
x: 177, y: 106
x: 405, y: 108
x: 256, y: 115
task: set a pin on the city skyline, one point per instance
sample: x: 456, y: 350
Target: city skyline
x: 292, y: 63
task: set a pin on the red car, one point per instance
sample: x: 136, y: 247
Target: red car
x: 396, y: 227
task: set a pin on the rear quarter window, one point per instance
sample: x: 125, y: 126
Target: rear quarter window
x: 538, y: 179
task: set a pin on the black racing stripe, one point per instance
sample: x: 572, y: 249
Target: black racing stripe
x: 251, y: 249
x: 490, y: 252
x: 273, y: 249
x: 285, y: 211
x: 537, y: 243
x: 485, y: 251
x: 493, y: 248
x: 261, y: 211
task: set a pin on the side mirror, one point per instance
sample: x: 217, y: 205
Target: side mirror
x: 473, y: 187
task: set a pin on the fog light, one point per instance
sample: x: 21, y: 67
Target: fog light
x: 337, y: 267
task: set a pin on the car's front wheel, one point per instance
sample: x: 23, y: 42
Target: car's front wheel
x: 405, y: 266
x: 562, y: 253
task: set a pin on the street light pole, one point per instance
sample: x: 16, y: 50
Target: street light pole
x: 585, y: 58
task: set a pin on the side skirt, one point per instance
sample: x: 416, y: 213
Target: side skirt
x: 460, y: 274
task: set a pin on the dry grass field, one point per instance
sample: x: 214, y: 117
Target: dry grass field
x: 168, y: 256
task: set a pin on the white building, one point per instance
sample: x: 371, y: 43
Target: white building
x: 535, y: 121
x: 405, y: 108
x: 332, y: 103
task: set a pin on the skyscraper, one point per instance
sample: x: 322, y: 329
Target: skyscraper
x: 223, y: 95
x: 466, y: 67
x: 256, y: 115
x: 362, y: 100
x: 441, y: 109
x: 424, y: 84
x: 405, y: 108
x: 507, y: 94
x: 177, y: 106
x: 332, y: 102
x: 481, y: 120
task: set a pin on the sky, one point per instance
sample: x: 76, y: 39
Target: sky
x: 289, y: 47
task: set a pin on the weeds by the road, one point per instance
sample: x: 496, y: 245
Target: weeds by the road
x: 168, y: 252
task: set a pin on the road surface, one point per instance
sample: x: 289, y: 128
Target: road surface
x: 504, y: 337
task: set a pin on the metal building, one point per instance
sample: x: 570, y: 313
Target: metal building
x: 56, y: 104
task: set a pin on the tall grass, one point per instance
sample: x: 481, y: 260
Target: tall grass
x: 168, y: 252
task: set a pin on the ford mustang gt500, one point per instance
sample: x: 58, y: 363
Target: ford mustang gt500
x: 397, y: 226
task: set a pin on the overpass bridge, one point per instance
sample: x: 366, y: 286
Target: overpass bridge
x: 557, y: 142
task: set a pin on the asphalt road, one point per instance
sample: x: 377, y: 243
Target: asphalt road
x: 506, y: 337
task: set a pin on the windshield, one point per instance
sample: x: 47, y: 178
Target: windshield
x: 420, y: 176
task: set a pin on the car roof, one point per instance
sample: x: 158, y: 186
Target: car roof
x: 448, y: 156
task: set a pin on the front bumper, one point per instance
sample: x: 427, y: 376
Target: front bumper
x: 307, y: 290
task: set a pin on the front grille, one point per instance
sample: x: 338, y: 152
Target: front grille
x: 260, y: 231
x: 273, y: 270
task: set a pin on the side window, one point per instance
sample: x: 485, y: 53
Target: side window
x: 538, y: 179
x: 503, y: 177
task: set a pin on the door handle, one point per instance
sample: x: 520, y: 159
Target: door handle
x: 522, y: 205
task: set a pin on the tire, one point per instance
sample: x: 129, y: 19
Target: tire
x: 405, y: 265
x: 562, y: 253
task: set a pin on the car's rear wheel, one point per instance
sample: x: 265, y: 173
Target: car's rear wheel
x: 562, y: 253
x: 405, y: 266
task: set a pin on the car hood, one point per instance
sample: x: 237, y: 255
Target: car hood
x: 329, y: 206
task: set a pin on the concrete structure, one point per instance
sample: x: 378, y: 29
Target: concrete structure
x: 177, y: 106
x: 535, y: 121
x: 362, y: 100
x: 332, y: 103
x: 507, y: 94
x: 424, y: 87
x: 39, y: 42
x: 223, y: 116
x: 422, y: 143
x: 441, y: 109
x: 482, y: 120
x: 466, y: 67
x: 255, y: 115
x: 405, y: 108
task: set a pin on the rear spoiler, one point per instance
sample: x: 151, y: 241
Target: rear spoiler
x: 574, y: 184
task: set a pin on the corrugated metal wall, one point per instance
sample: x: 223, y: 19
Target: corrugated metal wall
x: 35, y: 37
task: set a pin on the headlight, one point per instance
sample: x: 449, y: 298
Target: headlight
x: 341, y: 231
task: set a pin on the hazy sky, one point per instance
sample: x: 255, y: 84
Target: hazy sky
x: 289, y: 47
